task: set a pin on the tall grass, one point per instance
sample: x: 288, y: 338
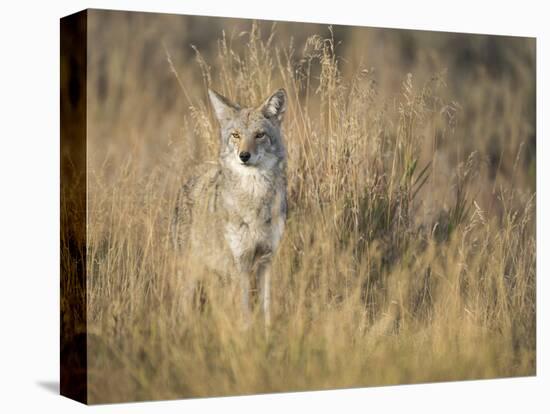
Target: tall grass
x: 409, y: 252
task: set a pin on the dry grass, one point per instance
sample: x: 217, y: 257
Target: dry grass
x: 409, y: 254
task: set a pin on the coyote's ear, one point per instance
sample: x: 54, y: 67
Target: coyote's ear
x: 275, y: 106
x: 223, y: 107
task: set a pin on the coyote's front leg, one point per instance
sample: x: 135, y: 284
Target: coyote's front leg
x: 244, y: 280
x: 264, y: 282
x: 257, y: 288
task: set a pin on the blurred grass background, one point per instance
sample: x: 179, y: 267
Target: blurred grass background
x: 409, y: 254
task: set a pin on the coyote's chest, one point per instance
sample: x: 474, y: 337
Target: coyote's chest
x: 257, y: 213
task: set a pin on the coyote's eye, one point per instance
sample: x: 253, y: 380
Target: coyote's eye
x: 235, y: 135
x: 260, y: 135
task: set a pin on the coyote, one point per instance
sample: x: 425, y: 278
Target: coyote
x: 230, y: 215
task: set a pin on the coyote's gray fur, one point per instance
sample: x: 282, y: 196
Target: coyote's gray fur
x: 230, y: 215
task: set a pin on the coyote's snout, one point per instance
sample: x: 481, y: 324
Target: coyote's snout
x: 230, y: 216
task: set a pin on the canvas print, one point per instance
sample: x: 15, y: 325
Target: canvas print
x: 250, y: 206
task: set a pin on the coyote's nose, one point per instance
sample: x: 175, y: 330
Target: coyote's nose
x: 244, y: 156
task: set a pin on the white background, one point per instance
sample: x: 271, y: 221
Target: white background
x: 29, y: 212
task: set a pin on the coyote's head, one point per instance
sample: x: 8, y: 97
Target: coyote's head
x: 250, y: 137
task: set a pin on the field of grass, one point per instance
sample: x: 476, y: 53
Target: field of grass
x: 409, y: 253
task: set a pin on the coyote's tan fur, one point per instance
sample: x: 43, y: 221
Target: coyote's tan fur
x: 230, y: 215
